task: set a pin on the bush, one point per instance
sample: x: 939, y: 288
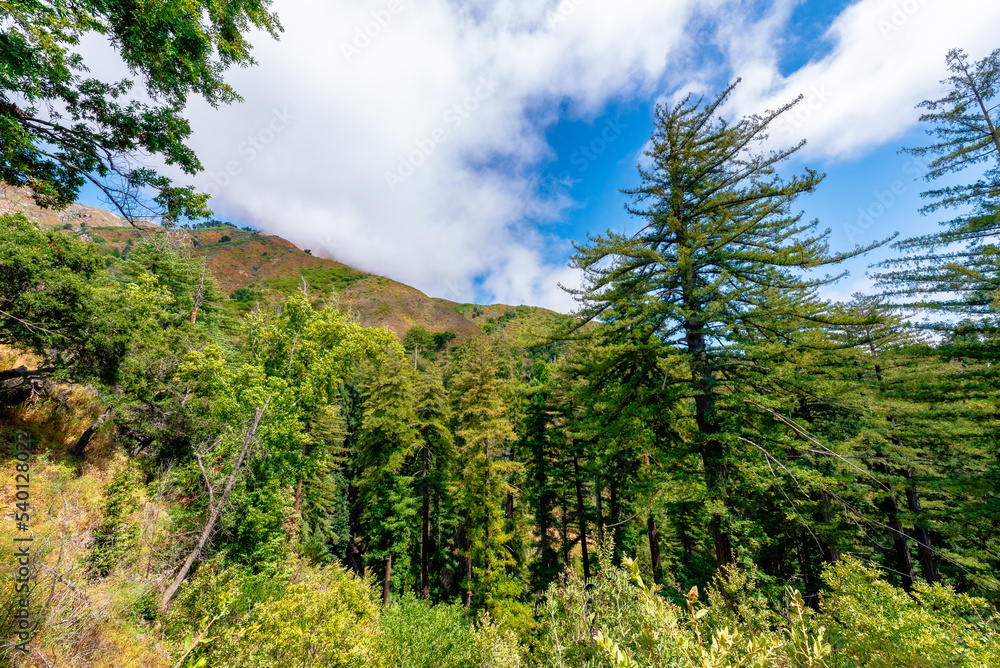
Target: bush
x: 876, y: 625
x: 416, y: 634
x: 118, y: 534
x: 618, y: 620
x: 327, y: 618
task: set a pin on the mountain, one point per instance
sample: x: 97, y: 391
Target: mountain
x: 269, y: 267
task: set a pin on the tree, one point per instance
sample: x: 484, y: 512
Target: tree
x: 539, y: 450
x: 485, y: 436
x: 963, y: 282
x: 60, y: 128
x: 714, y: 278
x: 437, y: 454
x: 387, y: 441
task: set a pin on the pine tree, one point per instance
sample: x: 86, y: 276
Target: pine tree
x: 538, y: 448
x: 963, y: 282
x: 714, y: 278
x: 486, y: 436
x: 436, y: 454
x: 387, y: 441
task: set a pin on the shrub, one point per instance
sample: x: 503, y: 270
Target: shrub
x: 327, y: 618
x: 876, y: 625
x: 418, y: 635
x: 118, y: 535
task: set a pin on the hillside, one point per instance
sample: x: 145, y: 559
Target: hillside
x: 270, y: 267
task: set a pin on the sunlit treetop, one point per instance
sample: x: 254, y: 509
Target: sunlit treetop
x: 61, y: 125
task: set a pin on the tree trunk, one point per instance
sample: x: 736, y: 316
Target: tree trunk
x: 24, y: 373
x: 215, y: 509
x: 298, y: 488
x: 583, y: 519
x: 616, y: 516
x: 386, y: 593
x: 600, y: 513
x: 925, y: 548
x: 354, y: 558
x: 200, y: 293
x: 654, y: 548
x: 901, y: 547
x: 467, y: 594
x: 830, y: 553
x: 489, y: 535
x: 564, y: 521
x: 712, y: 454
x: 425, y: 535
x: 78, y: 449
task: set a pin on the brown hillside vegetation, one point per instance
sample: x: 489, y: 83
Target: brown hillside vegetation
x: 271, y: 268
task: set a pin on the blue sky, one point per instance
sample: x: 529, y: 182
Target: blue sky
x: 460, y: 147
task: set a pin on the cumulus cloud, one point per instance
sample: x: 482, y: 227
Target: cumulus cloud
x: 399, y: 137
x: 887, y: 56
x: 404, y: 138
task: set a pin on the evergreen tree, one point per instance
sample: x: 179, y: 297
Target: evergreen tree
x: 714, y: 278
x: 538, y: 446
x: 388, y: 439
x: 963, y: 282
x: 486, y: 436
x: 436, y: 454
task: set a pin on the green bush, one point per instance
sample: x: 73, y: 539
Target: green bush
x: 877, y: 625
x: 418, y: 635
x: 329, y: 618
x: 118, y: 535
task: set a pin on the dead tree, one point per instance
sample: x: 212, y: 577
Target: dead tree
x: 214, y: 509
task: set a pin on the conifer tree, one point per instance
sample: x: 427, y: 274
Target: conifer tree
x: 486, y: 436
x: 964, y: 281
x: 388, y: 439
x: 436, y: 454
x: 713, y: 277
x: 540, y: 454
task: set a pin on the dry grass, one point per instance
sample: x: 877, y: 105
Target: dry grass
x: 84, y: 621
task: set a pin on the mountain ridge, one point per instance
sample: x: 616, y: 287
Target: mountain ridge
x: 269, y: 267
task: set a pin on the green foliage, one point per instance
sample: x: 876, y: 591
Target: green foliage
x: 418, y: 336
x: 117, y: 536
x: 60, y: 127
x: 874, y: 624
x: 387, y: 441
x: 963, y: 280
x: 326, y: 515
x: 325, y: 618
x: 418, y: 635
x: 244, y: 295
x: 319, y: 279
x: 441, y: 339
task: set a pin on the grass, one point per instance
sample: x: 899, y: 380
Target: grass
x: 319, y: 279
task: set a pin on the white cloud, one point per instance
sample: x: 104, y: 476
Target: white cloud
x: 340, y: 110
x: 888, y: 55
x: 464, y: 89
